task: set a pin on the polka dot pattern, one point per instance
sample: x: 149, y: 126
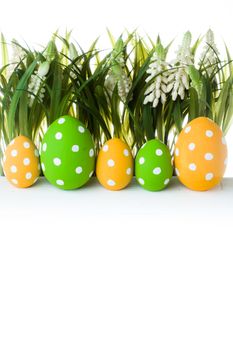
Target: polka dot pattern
x: 68, y: 156
x: 14, y: 153
x: 153, y: 165
x: 57, y: 161
x: 79, y: 170
x: 58, y: 136
x: 141, y: 160
x: 202, y: 153
x: 114, y: 167
x: 159, y: 152
x: 75, y: 148
x: 26, y: 161
x: 21, y: 166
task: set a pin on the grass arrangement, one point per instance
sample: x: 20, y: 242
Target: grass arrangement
x: 134, y: 91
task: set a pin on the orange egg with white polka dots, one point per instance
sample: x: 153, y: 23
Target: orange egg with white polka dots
x: 114, y: 168
x: 21, y: 164
x: 200, y: 155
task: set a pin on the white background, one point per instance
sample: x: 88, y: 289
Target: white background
x: 93, y: 269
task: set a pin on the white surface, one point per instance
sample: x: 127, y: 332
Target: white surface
x: 95, y: 269
x: 176, y: 202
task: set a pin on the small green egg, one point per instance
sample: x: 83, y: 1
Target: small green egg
x: 67, y: 153
x: 153, y: 167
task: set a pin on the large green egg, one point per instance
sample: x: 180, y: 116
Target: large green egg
x: 153, y: 168
x: 67, y: 153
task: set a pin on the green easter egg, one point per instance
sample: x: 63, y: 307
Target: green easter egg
x: 153, y: 168
x: 67, y: 153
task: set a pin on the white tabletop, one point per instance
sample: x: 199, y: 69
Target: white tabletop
x: 130, y: 270
x: 176, y: 202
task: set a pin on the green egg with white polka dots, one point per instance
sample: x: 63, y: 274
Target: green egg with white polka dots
x: 67, y: 153
x: 153, y: 165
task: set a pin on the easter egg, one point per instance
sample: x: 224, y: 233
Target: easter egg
x: 67, y: 153
x: 21, y: 164
x: 200, y: 154
x: 153, y: 168
x: 114, y: 167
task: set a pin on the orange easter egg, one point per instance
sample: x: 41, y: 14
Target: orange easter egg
x: 21, y: 164
x: 200, y: 155
x: 114, y: 168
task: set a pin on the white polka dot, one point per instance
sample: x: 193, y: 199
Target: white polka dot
x: 192, y: 166
x: 91, y: 173
x: 111, y: 182
x: 61, y: 120
x: 14, y: 153
x: 209, y: 133
x: 187, y: 129
x: 177, y: 152
x: 44, y: 147
x: 12, y: 142
x: 105, y: 148
x: 209, y: 156
x: 126, y: 152
x: 14, y: 181
x: 191, y: 146
x: 58, y: 136
x: 26, y: 161
x: 75, y: 148
x: 224, y: 141
x: 209, y: 176
x: 43, y: 166
x: 81, y: 129
x: 111, y: 163
x: 79, y: 170
x: 128, y: 171
x: 157, y: 171
x: 26, y: 145
x: 141, y: 160
x: 158, y: 152
x: 36, y: 153
x: 91, y: 152
x: 13, y: 169
x: 166, y: 181
x: 177, y: 172
x: 141, y: 181
x: 57, y: 161
x: 60, y: 182
x: 225, y: 161
x: 28, y: 176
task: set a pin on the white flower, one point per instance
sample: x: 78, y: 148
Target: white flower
x: 117, y: 76
x: 158, y: 76
x: 179, y: 77
x: 209, y: 54
x: 43, y: 69
x: 17, y: 56
x: 35, y: 86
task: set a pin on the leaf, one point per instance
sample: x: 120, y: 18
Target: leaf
x: 21, y: 87
x: 5, y: 59
x: 147, y: 119
x: 194, y: 104
x: 177, y: 115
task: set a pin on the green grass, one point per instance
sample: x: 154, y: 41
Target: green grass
x: 76, y: 84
